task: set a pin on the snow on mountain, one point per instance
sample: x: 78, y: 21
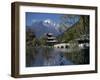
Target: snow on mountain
x: 49, y: 23
x: 40, y: 27
x: 45, y: 26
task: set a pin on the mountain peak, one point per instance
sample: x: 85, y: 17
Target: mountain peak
x: 49, y: 22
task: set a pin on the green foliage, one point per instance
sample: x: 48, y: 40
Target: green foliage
x: 31, y: 39
x: 42, y: 41
x: 77, y: 30
x: 30, y: 36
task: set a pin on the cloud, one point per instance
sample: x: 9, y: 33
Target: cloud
x: 33, y: 21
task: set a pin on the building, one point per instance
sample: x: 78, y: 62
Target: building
x: 50, y: 39
x: 82, y: 42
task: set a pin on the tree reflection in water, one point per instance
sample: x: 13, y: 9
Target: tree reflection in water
x: 43, y: 56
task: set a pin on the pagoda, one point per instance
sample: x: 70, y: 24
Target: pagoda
x: 50, y: 39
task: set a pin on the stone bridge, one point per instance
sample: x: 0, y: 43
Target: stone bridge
x: 62, y: 45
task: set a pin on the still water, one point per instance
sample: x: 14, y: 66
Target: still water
x: 42, y: 56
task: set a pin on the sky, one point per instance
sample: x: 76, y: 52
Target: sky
x: 56, y: 18
x: 32, y: 17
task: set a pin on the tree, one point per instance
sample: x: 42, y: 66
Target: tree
x: 30, y: 36
x: 86, y: 24
x: 42, y: 40
x: 81, y: 27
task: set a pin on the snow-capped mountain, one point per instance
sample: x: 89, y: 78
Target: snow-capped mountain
x: 48, y: 23
x: 48, y: 26
x: 45, y: 26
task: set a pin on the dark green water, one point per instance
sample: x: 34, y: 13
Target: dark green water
x: 43, y: 56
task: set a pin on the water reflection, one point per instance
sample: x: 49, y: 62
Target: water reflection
x: 43, y: 56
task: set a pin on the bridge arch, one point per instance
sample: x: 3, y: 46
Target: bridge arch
x: 62, y: 45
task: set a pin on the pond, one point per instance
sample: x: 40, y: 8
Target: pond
x: 45, y: 56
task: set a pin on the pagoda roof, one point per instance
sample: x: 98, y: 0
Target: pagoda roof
x: 53, y: 41
x: 51, y: 37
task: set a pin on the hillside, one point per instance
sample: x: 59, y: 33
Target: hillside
x: 76, y: 31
